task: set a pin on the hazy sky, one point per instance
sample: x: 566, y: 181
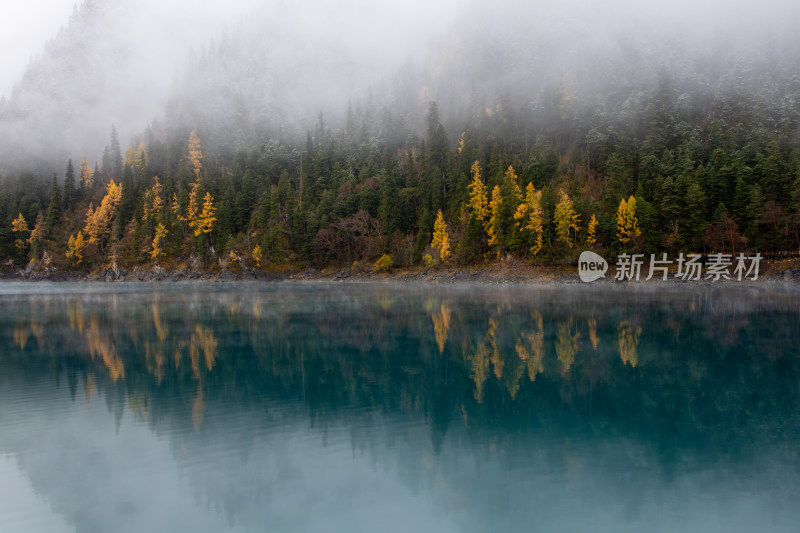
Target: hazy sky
x: 24, y: 28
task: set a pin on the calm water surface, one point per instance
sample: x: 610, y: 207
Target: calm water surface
x: 316, y: 407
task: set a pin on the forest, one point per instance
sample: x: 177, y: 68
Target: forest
x: 720, y: 175
x: 696, y: 158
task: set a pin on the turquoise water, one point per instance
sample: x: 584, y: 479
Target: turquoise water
x: 361, y: 407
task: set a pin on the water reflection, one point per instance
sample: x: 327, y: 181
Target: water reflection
x: 457, y: 407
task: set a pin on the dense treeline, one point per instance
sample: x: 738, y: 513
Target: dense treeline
x: 675, y: 164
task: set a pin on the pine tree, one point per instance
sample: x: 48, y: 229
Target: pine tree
x: 54, y: 207
x: 69, y: 186
x: 115, y: 157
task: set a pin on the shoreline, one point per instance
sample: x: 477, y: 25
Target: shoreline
x: 505, y: 272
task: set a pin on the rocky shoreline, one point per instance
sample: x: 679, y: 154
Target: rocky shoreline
x: 499, y: 272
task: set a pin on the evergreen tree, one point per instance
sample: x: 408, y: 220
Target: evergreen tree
x: 54, y: 207
x: 69, y: 187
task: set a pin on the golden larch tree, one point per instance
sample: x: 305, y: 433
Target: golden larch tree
x: 192, y: 211
x: 478, y: 204
x: 38, y: 230
x: 87, y: 175
x: 511, y: 182
x: 205, y: 222
x: 98, y: 221
x: 75, y: 247
x: 591, y: 233
x: 195, y: 154
x: 153, y: 201
x: 20, y: 227
x: 627, y: 223
x: 160, y: 233
x: 257, y: 255
x: 495, y: 220
x: 140, y: 160
x: 441, y: 242
x: 565, y: 218
x: 530, y: 217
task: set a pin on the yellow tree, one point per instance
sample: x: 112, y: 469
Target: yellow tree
x: 130, y: 158
x: 153, y: 202
x: 257, y: 255
x: 20, y: 227
x: 75, y: 247
x: 205, y: 222
x: 478, y: 204
x: 565, y: 218
x: 195, y: 154
x: 495, y: 222
x: 627, y: 223
x: 140, y: 159
x: 38, y: 232
x: 87, y: 175
x: 98, y: 221
x: 192, y: 209
x: 160, y: 233
x: 530, y: 217
x: 591, y: 236
x: 441, y: 241
x: 511, y: 182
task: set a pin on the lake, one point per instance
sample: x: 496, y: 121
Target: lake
x: 387, y: 407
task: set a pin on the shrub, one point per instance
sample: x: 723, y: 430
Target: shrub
x: 384, y: 263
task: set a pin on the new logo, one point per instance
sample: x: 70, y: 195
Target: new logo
x: 591, y: 267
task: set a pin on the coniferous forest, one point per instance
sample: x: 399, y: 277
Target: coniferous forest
x: 678, y: 154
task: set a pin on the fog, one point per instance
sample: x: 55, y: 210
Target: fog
x: 24, y: 28
x: 247, y: 63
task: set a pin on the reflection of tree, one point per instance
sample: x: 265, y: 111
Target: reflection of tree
x: 75, y: 312
x: 198, y: 407
x: 567, y: 344
x: 101, y: 345
x: 161, y: 330
x: 593, y: 338
x: 441, y: 325
x: 202, y: 340
x: 327, y: 358
x: 530, y: 347
x: 480, y: 369
x: 21, y: 334
x: 491, y: 337
x: 89, y: 387
x: 628, y: 342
